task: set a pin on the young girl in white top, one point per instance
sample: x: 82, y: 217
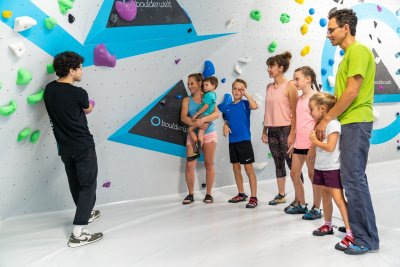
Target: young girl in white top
x: 302, y: 150
x: 327, y: 168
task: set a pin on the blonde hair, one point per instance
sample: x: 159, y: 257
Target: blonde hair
x: 324, y: 99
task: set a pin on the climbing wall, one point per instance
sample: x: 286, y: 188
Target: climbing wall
x: 136, y: 72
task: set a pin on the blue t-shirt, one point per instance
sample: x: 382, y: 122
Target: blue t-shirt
x: 193, y: 107
x: 209, y: 98
x: 238, y: 117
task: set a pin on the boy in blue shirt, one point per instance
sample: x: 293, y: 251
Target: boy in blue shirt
x: 237, y: 126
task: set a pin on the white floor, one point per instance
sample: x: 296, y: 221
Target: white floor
x: 162, y: 232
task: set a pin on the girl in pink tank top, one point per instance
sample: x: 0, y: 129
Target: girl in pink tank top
x: 302, y: 150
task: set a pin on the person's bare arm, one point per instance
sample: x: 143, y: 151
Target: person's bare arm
x: 351, y: 92
x: 212, y: 117
x: 252, y: 103
x: 200, y: 111
x: 329, y: 146
x: 184, y: 112
x: 292, y: 94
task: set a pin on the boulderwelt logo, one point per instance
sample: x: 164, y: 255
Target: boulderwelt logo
x: 156, y: 121
x: 155, y: 4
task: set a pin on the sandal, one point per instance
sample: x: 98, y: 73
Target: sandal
x: 208, y: 199
x: 188, y: 199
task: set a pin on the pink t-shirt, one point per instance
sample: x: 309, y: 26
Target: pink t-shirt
x: 304, y: 123
x: 277, y: 106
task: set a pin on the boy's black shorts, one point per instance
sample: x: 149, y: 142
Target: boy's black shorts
x: 241, y: 152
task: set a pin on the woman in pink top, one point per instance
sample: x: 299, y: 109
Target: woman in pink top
x: 280, y: 119
x: 303, y: 152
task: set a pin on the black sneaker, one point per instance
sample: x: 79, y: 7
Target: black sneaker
x: 85, y: 238
x: 252, y: 203
x: 238, y: 198
x: 94, y: 215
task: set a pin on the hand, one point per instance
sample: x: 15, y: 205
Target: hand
x: 290, y: 139
x: 226, y: 130
x: 313, y: 137
x: 264, y: 138
x: 198, y: 122
x: 320, y: 129
x: 290, y: 150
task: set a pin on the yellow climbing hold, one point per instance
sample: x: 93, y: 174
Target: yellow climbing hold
x: 6, y: 14
x: 308, y: 20
x: 299, y: 1
x: 305, y: 51
x: 304, y: 29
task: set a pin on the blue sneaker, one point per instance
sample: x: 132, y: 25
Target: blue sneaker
x: 356, y: 250
x: 298, y: 209
x: 312, y: 214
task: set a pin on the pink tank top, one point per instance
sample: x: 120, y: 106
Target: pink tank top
x: 277, y: 106
x: 304, y: 123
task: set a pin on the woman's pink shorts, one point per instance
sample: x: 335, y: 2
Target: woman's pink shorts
x: 208, y: 138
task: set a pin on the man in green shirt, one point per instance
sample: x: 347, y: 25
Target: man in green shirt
x: 354, y: 89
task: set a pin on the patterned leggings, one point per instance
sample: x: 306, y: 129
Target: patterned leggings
x: 277, y: 141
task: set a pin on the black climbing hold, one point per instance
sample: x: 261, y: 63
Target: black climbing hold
x: 189, y: 30
x: 370, y: 36
x: 163, y: 101
x: 379, y: 40
x: 375, y: 24
x: 203, y: 185
x: 114, y: 18
x: 71, y: 18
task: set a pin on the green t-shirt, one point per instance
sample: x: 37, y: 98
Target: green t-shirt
x: 358, y: 60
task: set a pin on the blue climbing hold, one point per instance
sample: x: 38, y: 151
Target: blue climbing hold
x: 225, y: 103
x: 342, y: 53
x: 223, y: 80
x: 209, y: 69
x: 323, y: 71
x: 331, y: 62
x: 311, y: 11
x: 178, y: 96
x: 323, y: 22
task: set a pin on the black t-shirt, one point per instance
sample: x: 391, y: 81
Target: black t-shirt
x: 65, y: 103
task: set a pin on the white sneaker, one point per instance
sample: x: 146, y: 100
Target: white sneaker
x: 85, y: 238
x: 94, y: 215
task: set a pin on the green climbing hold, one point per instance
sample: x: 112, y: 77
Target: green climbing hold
x: 269, y: 155
x: 256, y: 15
x: 36, y: 97
x: 23, y: 76
x: 9, y: 109
x: 285, y: 18
x: 65, y: 6
x: 50, y: 23
x: 50, y: 68
x: 272, y: 47
x: 35, y: 137
x: 1, y: 85
x: 23, y: 134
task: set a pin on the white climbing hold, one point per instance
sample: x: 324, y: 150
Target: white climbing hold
x: 375, y: 113
x: 18, y: 48
x: 377, y: 60
x: 23, y: 23
x: 245, y: 59
x: 230, y: 23
x: 260, y: 165
x: 331, y: 81
x: 238, y: 70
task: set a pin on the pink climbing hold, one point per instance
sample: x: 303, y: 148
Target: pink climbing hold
x: 380, y: 87
x: 126, y: 10
x: 379, y: 8
x: 107, y: 184
x: 102, y: 57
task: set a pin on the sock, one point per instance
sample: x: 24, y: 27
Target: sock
x: 349, y: 233
x: 77, y: 230
x: 329, y: 224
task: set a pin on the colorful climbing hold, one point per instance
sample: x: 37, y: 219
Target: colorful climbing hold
x: 311, y: 11
x: 6, y: 14
x: 256, y: 15
x: 209, y: 69
x: 308, y: 19
x: 23, y: 23
x: 1, y: 85
x: 285, y: 18
x: 237, y: 69
x: 304, y: 29
x: 225, y: 103
x: 272, y: 47
x: 299, y: 1
x: 71, y: 18
x: 380, y: 87
x: 92, y: 102
x: 398, y: 72
x: 18, y: 48
x: 106, y: 184
x: 50, y: 23
x: 36, y: 97
x: 102, y: 57
x: 178, y: 96
x: 323, y: 71
x: 379, y: 8
x: 245, y: 59
x: 113, y: 19
x: 9, y: 109
x: 35, y: 136
x: 65, y: 6
x: 223, y: 80
x: 23, y: 76
x: 331, y: 62
x: 230, y: 23
x: 397, y: 55
x: 269, y: 155
x: 398, y: 12
x: 177, y: 61
x: 126, y: 10
x: 377, y: 60
x: 50, y: 68
x: 331, y: 81
x: 341, y: 52
x: 23, y: 134
x: 305, y: 50
x: 323, y: 22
